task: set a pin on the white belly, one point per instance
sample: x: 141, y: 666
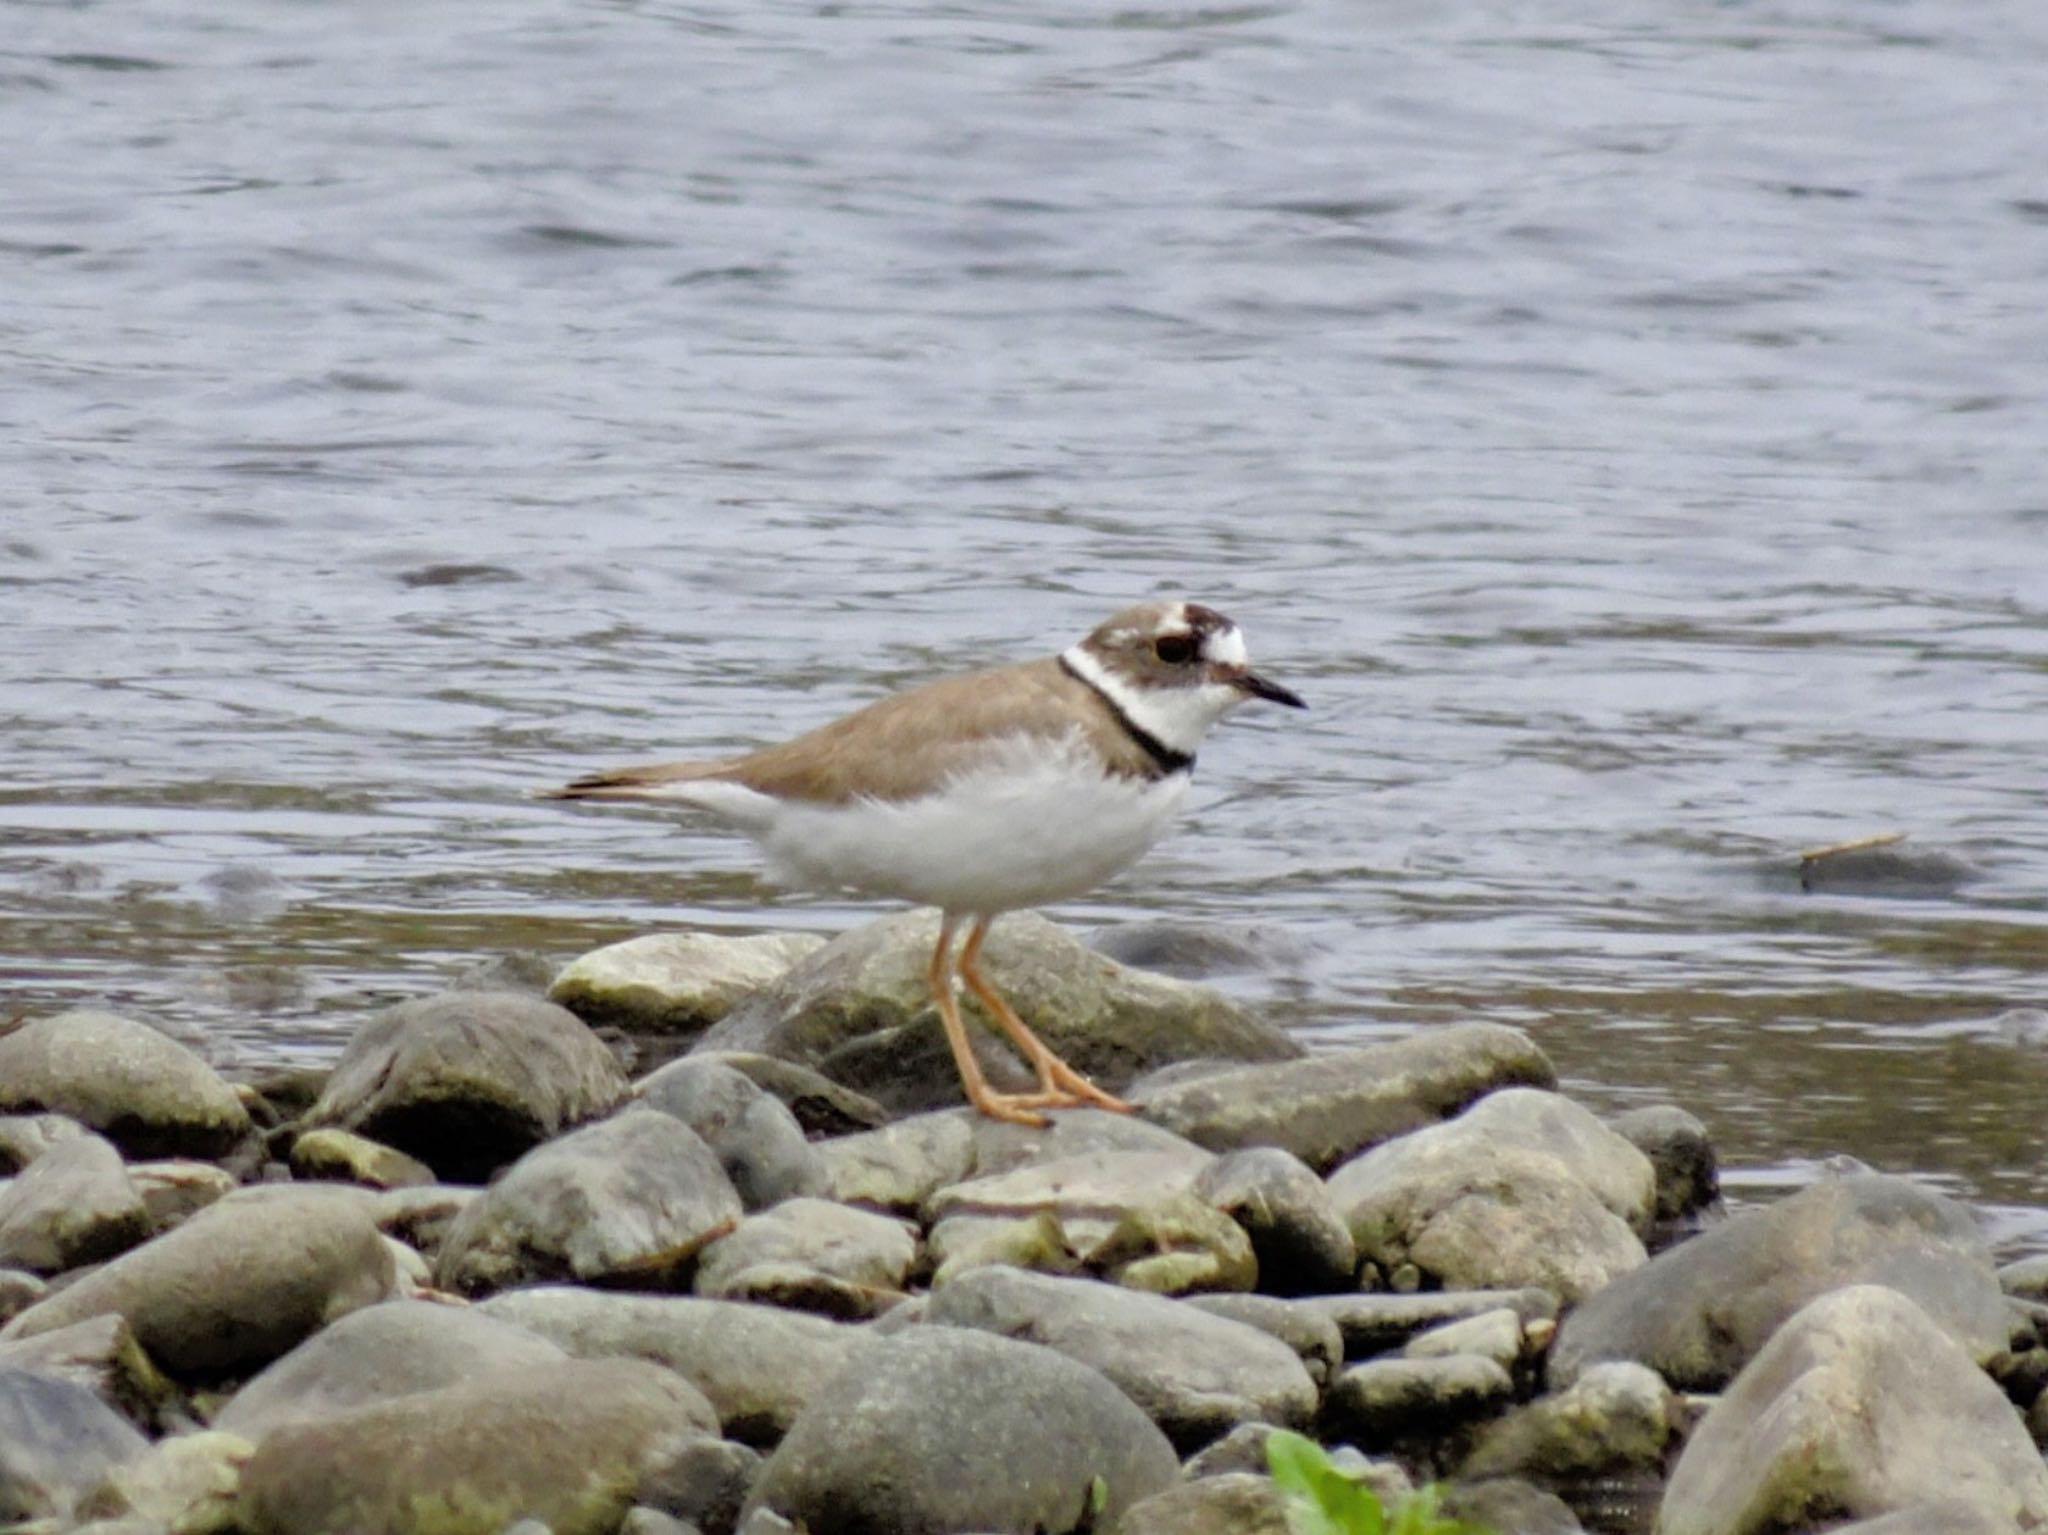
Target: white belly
x: 1031, y: 828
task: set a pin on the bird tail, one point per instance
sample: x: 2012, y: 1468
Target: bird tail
x: 651, y: 781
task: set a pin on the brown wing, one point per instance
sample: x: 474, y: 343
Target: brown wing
x: 903, y: 746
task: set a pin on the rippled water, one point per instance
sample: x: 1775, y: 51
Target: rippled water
x: 1625, y: 427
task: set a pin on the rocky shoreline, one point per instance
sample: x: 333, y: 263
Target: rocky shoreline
x: 698, y: 1245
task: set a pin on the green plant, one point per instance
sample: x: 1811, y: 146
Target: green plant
x: 1323, y: 1500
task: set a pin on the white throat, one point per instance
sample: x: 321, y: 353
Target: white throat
x: 1177, y: 718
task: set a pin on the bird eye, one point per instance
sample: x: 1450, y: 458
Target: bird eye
x: 1175, y: 649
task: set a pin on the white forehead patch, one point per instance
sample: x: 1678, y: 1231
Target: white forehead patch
x: 1226, y: 648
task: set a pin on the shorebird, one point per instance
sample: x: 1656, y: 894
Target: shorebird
x: 986, y: 793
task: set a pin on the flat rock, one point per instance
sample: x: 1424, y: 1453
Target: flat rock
x: 815, y: 1256
x: 1497, y: 1335
x: 1696, y: 1312
x: 1526, y: 1188
x: 141, y: 1089
x: 571, y: 1446
x: 1132, y: 1216
x: 467, y: 1081
x: 1195, y: 1374
x: 858, y: 1010
x: 1863, y: 1406
x: 1299, y: 1239
x: 755, y: 1364
x: 345, y: 1157
x: 100, y: 1354
x: 1233, y: 1503
x: 72, y: 1206
x: 754, y: 1134
x: 174, y: 1189
x: 946, y: 1429
x: 675, y: 984
x: 235, y: 1286
x: 395, y: 1349
x: 1387, y: 1401
x: 57, y: 1442
x: 1312, y: 1335
x: 1330, y: 1106
x: 636, y: 1196
x: 1374, y: 1323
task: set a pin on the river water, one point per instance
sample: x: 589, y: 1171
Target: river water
x: 1624, y: 426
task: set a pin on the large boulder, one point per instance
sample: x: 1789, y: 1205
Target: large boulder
x: 1331, y: 1106
x: 859, y: 1010
x: 469, y: 1080
x: 674, y: 984
x: 1196, y: 1375
x: 238, y: 1284
x: 632, y: 1197
x: 1859, y: 1406
x: 757, y: 1365
x: 73, y: 1205
x: 141, y: 1089
x: 1698, y: 1311
x: 943, y: 1429
x: 572, y: 1446
x: 1525, y: 1188
x: 395, y: 1349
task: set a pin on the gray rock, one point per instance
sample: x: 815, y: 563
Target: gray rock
x: 704, y: 1487
x: 1515, y: 1507
x: 1497, y: 1335
x: 1195, y: 1374
x: 755, y: 1137
x: 72, y: 1206
x: 1131, y: 1215
x: 756, y: 1365
x: 1193, y: 950
x: 345, y: 1157
x: 1385, y: 1401
x: 571, y: 1446
x: 1230, y: 1503
x: 184, y: 1484
x: 812, y: 1255
x: 24, y: 1137
x: 2026, y: 1278
x: 858, y: 1010
x: 1331, y: 1106
x: 57, y: 1442
x: 676, y: 984
x: 823, y: 1107
x: 1613, y: 1418
x: 176, y: 1188
x: 235, y: 1286
x: 1301, y: 1243
x: 395, y: 1349
x: 100, y: 1354
x: 1696, y: 1312
x: 1860, y: 1405
x: 1372, y: 1324
x: 19, y: 1290
x: 634, y: 1196
x: 1312, y: 1335
x: 1476, y: 1213
x: 1688, y: 1175
x: 1053, y: 1446
x: 467, y: 1081
x: 145, y: 1092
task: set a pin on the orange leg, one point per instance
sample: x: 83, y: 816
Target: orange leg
x: 1058, y: 1083
x: 1012, y: 1107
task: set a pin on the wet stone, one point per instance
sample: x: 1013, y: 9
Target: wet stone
x: 141, y: 1089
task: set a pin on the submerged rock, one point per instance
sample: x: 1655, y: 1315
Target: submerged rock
x: 634, y: 1196
x: 572, y: 1446
x: 859, y: 1011
x: 1859, y: 1406
x: 235, y: 1286
x: 948, y: 1429
x: 1696, y: 1312
x: 1333, y: 1105
x: 1196, y: 1375
x: 142, y: 1090
x: 469, y: 1080
x: 755, y: 1364
x: 676, y: 984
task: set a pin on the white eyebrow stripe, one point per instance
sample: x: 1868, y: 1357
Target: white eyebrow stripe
x: 1226, y: 648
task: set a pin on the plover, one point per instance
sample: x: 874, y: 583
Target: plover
x: 986, y: 793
